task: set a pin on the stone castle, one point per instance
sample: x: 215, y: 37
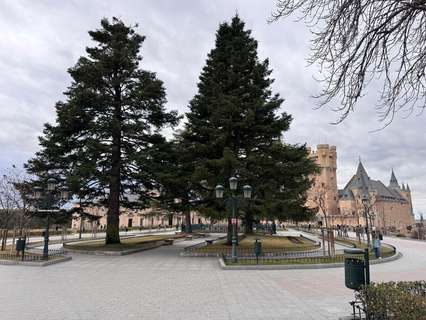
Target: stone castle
x: 390, y: 206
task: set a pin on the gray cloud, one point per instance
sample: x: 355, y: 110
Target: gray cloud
x: 41, y: 39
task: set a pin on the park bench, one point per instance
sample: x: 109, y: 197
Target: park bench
x: 168, y: 242
x: 188, y: 237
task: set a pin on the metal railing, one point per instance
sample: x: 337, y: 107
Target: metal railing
x: 295, y: 257
x: 271, y: 260
x: 30, y: 255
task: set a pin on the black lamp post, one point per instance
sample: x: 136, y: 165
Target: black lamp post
x: 366, y: 203
x: 48, y: 197
x: 233, y: 201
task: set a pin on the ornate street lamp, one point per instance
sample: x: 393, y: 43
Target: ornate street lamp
x: 247, y: 191
x: 50, y: 195
x: 366, y: 202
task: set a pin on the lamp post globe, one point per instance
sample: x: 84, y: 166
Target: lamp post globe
x: 247, y: 191
x: 51, y: 184
x: 219, y: 191
x: 65, y: 194
x: 233, y: 183
x: 37, y: 192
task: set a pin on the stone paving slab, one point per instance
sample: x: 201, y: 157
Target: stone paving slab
x: 160, y: 284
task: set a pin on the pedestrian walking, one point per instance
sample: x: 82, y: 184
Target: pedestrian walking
x: 376, y: 246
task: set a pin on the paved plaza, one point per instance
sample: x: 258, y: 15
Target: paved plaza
x: 160, y: 284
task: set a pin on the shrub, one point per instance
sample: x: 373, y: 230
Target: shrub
x: 395, y: 300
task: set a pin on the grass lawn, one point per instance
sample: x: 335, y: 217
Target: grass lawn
x: 340, y: 258
x: 385, y: 250
x: 126, y: 244
x: 269, y: 244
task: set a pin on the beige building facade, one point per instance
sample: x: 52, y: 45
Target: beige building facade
x: 389, y: 207
x: 139, y: 219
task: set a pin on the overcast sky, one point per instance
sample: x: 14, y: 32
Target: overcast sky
x: 39, y: 40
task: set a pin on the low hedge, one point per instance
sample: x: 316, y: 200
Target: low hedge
x: 394, y: 300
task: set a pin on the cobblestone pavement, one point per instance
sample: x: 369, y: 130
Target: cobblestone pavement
x: 159, y: 284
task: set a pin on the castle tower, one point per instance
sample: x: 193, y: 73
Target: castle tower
x: 326, y: 158
x: 394, y: 182
x: 404, y: 191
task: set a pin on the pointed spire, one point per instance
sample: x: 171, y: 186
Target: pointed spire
x: 393, y: 181
x: 403, y: 187
x: 362, y: 176
x: 408, y: 188
x: 361, y: 170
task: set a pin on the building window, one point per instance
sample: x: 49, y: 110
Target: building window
x: 130, y: 223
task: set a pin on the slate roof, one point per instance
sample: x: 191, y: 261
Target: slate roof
x: 362, y: 181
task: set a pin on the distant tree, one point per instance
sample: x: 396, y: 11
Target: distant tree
x: 358, y: 41
x: 105, y: 131
x: 174, y: 170
x: 234, y: 128
x: 319, y: 198
x: 14, y: 202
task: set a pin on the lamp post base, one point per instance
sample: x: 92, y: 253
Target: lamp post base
x: 234, y: 250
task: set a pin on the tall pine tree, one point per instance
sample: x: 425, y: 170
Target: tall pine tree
x: 106, y: 130
x: 234, y: 128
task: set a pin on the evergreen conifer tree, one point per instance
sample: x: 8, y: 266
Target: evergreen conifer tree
x: 107, y: 128
x: 234, y: 128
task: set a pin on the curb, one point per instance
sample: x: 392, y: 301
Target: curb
x: 223, y: 266
x: 115, y: 253
x: 33, y: 263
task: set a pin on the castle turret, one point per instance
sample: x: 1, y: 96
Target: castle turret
x: 406, y: 193
x: 326, y: 159
x: 394, y: 182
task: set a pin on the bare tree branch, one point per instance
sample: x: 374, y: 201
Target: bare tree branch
x: 356, y: 41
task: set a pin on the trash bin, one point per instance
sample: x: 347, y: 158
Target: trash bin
x: 20, y: 244
x: 354, y: 268
x: 258, y: 248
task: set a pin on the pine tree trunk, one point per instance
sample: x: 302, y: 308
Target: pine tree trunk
x: 188, y: 226
x: 113, y: 219
x: 248, y: 221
